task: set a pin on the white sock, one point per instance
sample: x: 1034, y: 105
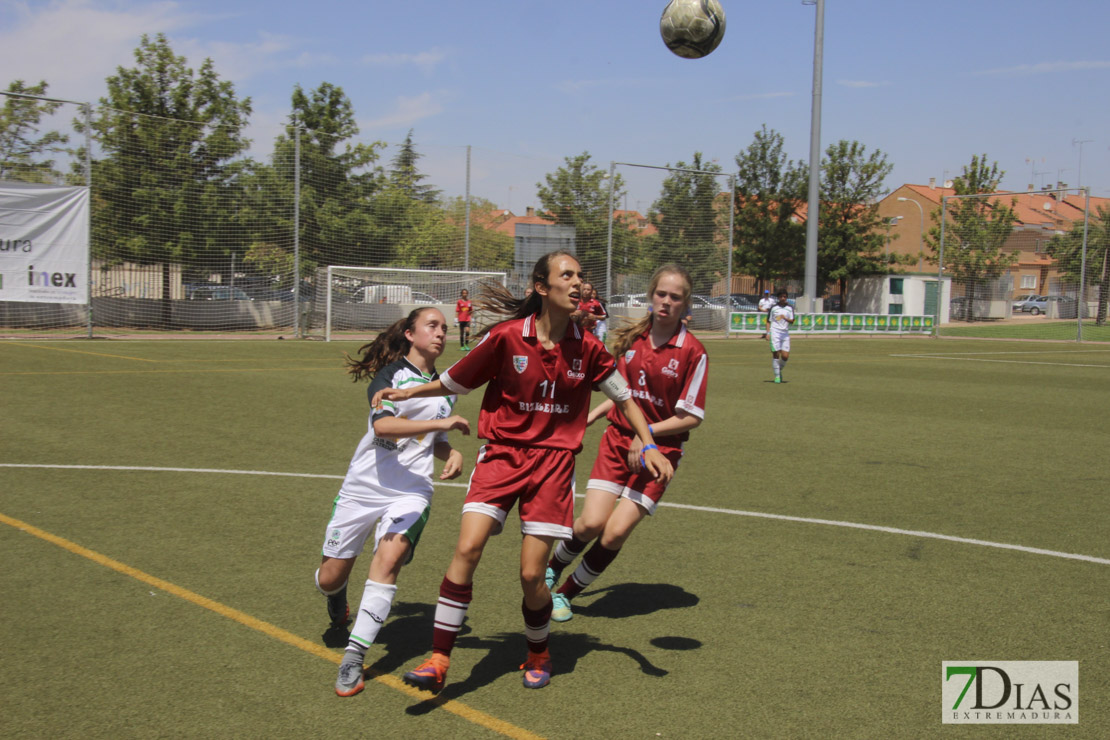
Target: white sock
x: 775, y: 364
x: 377, y: 599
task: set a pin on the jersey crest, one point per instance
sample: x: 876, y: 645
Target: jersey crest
x: 520, y: 363
x: 629, y: 355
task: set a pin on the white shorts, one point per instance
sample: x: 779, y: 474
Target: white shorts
x: 352, y: 519
x: 780, y: 342
x: 600, y: 328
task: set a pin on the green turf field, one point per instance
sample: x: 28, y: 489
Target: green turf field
x: 164, y: 589
x: 1063, y: 331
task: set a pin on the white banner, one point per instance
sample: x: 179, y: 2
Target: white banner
x: 44, y: 243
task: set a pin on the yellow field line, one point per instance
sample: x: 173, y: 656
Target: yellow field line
x: 82, y: 352
x: 457, y: 708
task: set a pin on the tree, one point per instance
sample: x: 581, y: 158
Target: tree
x: 166, y: 185
x: 852, y: 234
x: 490, y: 250
x: 770, y: 192
x: 338, y: 182
x: 975, y: 230
x: 577, y: 195
x: 404, y: 175
x: 1067, y: 249
x: 688, y: 224
x: 21, y: 146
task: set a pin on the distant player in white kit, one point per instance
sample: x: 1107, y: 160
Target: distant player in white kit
x: 779, y: 319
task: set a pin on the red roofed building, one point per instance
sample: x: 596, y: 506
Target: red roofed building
x: 1040, y: 216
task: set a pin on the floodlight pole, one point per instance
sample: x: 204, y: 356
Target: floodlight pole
x: 1080, y: 303
x: 609, y: 242
x: 812, y: 215
x: 466, y: 238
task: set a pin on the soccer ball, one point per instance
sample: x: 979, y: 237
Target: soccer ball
x: 692, y: 28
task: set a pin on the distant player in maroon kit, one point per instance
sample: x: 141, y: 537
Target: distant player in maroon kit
x: 463, y: 310
x: 666, y: 367
x: 591, y: 313
x: 539, y: 368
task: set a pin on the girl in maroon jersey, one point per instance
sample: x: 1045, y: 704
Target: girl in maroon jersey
x: 539, y: 368
x: 666, y: 368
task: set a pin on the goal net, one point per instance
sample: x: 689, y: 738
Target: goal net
x: 356, y: 300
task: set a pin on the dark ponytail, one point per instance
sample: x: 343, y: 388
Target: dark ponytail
x: 389, y: 346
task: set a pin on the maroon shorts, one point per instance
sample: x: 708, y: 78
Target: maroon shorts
x: 542, y: 480
x: 611, y: 473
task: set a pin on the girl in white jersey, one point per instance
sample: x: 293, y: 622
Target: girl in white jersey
x: 779, y: 319
x: 389, y: 481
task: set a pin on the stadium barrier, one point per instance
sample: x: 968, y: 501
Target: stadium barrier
x: 838, y: 323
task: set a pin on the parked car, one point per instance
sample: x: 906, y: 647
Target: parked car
x: 1067, y: 307
x: 215, y: 293
x: 624, y: 300
x: 735, y: 302
x: 1026, y: 303
x: 701, y: 301
x: 833, y: 304
x: 424, y: 299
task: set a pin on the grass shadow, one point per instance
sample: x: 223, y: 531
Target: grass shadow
x: 635, y: 599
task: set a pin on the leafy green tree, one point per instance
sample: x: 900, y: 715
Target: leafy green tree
x: 338, y: 182
x: 852, y: 235
x: 975, y: 231
x: 404, y: 175
x: 1068, y: 251
x: 688, y: 223
x: 490, y: 250
x: 21, y: 146
x: 770, y: 194
x: 577, y: 194
x: 166, y: 184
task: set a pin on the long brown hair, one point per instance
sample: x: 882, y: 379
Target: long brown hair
x: 389, y: 346
x: 626, y: 334
x: 497, y: 299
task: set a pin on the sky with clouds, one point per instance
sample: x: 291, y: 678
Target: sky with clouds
x: 527, y: 84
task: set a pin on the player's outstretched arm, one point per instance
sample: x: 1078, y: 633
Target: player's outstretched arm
x: 393, y: 427
x: 434, y: 388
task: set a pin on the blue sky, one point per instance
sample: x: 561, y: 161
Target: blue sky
x: 529, y: 83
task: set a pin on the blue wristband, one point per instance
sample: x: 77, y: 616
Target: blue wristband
x: 650, y: 430
x: 648, y: 447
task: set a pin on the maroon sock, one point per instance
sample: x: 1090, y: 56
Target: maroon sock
x: 450, y: 614
x: 537, y: 625
x: 565, y: 552
x: 595, y: 562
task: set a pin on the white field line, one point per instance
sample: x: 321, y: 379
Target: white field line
x: 688, y: 507
x: 963, y: 356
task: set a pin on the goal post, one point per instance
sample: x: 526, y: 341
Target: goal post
x: 368, y: 299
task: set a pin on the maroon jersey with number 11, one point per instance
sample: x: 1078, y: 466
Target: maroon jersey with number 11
x: 534, y: 397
